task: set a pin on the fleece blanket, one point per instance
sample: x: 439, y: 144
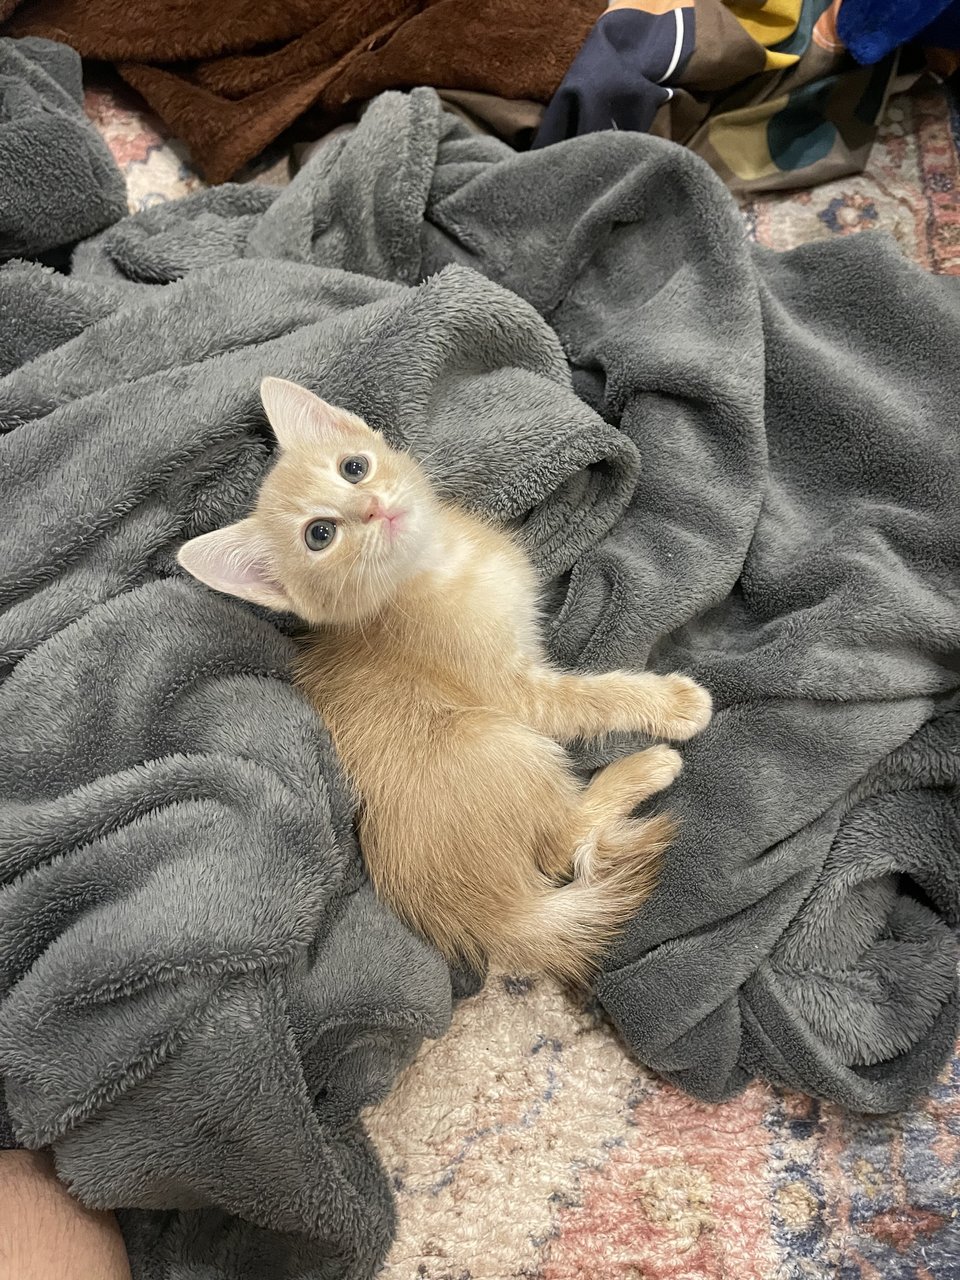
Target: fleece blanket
x: 227, y: 76
x: 756, y: 482
x: 198, y: 993
x: 58, y: 181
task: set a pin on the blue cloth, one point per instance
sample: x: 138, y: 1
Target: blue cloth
x: 613, y: 83
x: 873, y: 28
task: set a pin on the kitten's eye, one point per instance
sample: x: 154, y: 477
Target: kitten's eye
x: 319, y: 534
x: 354, y: 469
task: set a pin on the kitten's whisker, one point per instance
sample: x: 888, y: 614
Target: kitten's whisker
x: 423, y: 458
x: 344, y: 580
x: 365, y: 547
x: 383, y: 591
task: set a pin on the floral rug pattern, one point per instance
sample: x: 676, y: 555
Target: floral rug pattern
x: 526, y: 1143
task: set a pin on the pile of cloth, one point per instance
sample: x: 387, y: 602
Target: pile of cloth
x: 227, y: 77
x: 773, y: 93
x: 720, y: 459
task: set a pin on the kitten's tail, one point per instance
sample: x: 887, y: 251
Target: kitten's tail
x: 564, y: 930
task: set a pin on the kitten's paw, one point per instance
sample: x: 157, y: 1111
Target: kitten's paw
x: 616, y: 790
x: 662, y: 766
x: 688, y: 707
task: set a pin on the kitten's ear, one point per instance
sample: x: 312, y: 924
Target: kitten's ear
x: 236, y: 561
x: 302, y: 420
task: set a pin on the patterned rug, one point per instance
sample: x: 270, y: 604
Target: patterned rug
x: 526, y: 1143
x: 911, y: 190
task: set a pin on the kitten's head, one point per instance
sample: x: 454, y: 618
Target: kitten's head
x: 341, y: 520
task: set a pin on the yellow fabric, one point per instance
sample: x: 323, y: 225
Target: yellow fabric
x: 768, y: 24
x: 741, y: 144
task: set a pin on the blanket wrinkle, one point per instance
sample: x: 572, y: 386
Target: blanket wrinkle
x: 59, y: 181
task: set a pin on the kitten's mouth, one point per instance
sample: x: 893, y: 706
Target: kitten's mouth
x: 393, y: 521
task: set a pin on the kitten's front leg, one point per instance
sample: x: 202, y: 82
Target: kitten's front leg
x: 565, y: 706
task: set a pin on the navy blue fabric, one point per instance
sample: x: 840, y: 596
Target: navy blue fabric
x: 612, y: 82
x: 873, y: 28
x: 943, y: 32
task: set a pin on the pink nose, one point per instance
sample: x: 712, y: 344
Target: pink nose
x: 376, y: 511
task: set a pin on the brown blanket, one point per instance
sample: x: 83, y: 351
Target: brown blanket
x: 228, y: 76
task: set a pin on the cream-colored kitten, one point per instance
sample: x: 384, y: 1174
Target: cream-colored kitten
x: 425, y: 661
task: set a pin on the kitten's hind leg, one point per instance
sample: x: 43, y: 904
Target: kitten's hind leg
x: 507, y: 817
x: 616, y: 790
x: 563, y: 930
x: 565, y: 706
x: 610, y: 797
x: 609, y: 836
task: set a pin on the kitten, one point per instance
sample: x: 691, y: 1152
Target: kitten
x: 425, y: 661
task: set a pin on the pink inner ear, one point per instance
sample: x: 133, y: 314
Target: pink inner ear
x: 298, y: 417
x: 252, y: 574
x: 234, y: 560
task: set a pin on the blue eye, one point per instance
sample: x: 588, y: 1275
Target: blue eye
x: 319, y: 534
x: 354, y: 468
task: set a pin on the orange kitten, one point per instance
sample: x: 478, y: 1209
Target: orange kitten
x: 425, y: 662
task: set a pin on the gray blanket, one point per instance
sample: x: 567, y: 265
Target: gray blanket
x: 58, y: 181
x: 198, y: 991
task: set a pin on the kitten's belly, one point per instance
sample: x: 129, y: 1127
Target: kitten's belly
x: 464, y: 789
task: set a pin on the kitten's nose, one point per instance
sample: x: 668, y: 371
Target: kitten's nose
x: 392, y: 519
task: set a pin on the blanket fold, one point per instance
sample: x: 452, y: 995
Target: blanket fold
x: 198, y: 991
x: 58, y: 179
x: 756, y: 482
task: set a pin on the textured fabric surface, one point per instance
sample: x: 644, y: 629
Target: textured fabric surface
x: 197, y: 992
x: 769, y: 550
x: 527, y: 1141
x: 785, y: 541
x: 871, y: 28
x: 228, y: 77
x: 58, y: 181
x: 909, y: 192
x: 154, y: 257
